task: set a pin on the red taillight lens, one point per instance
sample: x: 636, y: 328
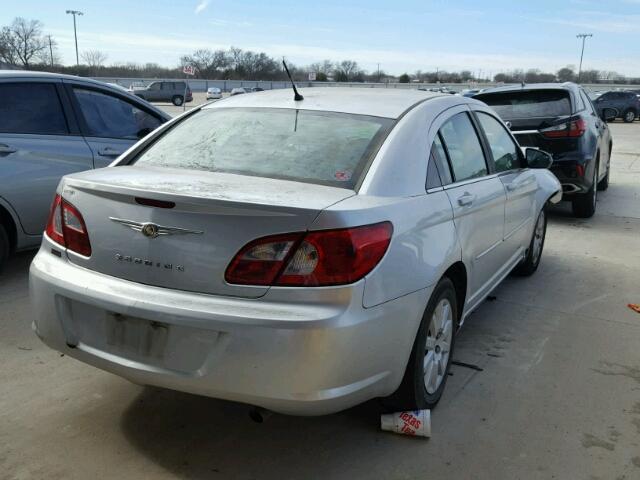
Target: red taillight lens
x: 326, y: 257
x: 575, y: 128
x: 260, y: 261
x: 67, y: 228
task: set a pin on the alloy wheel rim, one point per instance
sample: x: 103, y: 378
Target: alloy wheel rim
x: 630, y: 116
x: 438, y: 346
x: 538, y: 237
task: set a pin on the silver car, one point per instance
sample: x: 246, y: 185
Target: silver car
x: 214, y: 93
x: 52, y: 125
x: 302, y: 256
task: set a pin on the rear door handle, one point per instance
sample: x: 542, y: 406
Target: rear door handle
x: 109, y: 152
x: 466, y: 199
x: 4, y: 148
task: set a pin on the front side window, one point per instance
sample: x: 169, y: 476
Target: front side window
x: 31, y: 107
x: 463, y: 146
x: 109, y: 116
x: 155, y: 86
x: 506, y: 153
x: 309, y: 146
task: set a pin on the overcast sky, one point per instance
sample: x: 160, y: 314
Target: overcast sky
x: 407, y: 35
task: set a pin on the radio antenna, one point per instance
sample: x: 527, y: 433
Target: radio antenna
x: 296, y: 96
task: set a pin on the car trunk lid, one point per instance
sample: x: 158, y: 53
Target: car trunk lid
x: 200, y: 221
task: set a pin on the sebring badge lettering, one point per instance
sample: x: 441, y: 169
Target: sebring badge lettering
x: 148, y: 263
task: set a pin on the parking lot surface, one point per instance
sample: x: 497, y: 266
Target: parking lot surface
x: 557, y: 396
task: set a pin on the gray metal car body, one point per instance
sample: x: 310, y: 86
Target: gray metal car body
x: 32, y: 164
x: 298, y: 350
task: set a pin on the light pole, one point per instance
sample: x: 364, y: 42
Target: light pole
x: 583, y: 36
x: 75, y: 32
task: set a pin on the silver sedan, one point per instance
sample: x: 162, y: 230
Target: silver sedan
x: 302, y: 256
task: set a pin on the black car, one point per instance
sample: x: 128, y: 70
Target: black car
x: 560, y: 119
x: 626, y: 103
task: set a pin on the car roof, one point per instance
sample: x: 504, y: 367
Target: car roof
x: 530, y: 87
x: 377, y: 102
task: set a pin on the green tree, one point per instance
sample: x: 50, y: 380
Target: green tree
x: 404, y: 78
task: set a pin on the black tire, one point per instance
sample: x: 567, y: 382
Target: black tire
x: 629, y: 115
x: 177, y: 100
x: 412, y: 393
x: 584, y: 205
x: 5, y: 247
x: 530, y: 263
x: 604, y: 183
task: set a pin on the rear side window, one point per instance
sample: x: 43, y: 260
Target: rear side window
x: 579, y: 104
x: 31, y: 107
x: 109, y: 116
x: 463, y: 146
x: 587, y: 101
x: 316, y: 147
x: 438, y: 163
x: 505, y: 152
x: 528, y: 103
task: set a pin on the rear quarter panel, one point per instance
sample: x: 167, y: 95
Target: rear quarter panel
x: 423, y: 244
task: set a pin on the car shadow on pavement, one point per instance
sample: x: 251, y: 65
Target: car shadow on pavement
x: 200, y: 437
x: 17, y: 266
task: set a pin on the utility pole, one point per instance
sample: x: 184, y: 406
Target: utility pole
x: 50, y: 50
x: 584, y: 37
x: 75, y: 32
x: 378, y: 73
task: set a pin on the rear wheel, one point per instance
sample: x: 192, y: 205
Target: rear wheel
x: 426, y: 374
x: 177, y: 100
x: 534, y: 253
x: 584, y: 205
x: 4, y: 247
x: 629, y: 115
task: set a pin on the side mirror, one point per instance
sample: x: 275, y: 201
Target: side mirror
x: 609, y: 114
x: 537, y: 158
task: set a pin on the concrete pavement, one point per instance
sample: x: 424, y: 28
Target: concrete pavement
x: 558, y: 397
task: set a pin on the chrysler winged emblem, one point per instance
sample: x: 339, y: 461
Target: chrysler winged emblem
x: 152, y: 230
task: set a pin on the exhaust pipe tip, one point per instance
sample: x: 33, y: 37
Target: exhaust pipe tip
x: 259, y: 415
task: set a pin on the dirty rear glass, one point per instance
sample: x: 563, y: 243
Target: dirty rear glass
x: 316, y: 147
x: 528, y: 104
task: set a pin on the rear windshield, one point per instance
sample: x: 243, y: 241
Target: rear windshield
x: 528, y: 104
x: 315, y: 147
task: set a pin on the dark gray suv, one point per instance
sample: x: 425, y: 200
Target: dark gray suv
x: 165, y: 91
x: 560, y: 119
x: 626, y: 103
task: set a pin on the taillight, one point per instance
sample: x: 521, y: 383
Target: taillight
x: 571, y: 129
x: 67, y: 228
x: 320, y: 258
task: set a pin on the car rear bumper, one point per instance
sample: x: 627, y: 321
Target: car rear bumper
x: 295, y: 351
x: 574, y: 174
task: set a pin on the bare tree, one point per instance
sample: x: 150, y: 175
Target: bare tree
x: 7, y: 47
x: 22, y: 42
x: 94, y: 58
x: 208, y: 63
x: 348, y: 71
